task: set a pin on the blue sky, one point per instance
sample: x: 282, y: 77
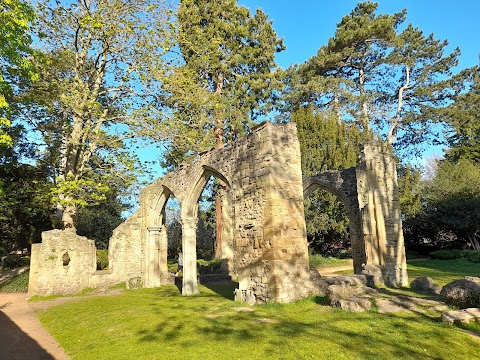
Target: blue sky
x: 306, y: 25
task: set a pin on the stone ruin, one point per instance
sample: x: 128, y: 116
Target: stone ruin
x: 263, y: 237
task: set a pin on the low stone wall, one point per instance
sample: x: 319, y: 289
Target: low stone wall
x: 65, y: 263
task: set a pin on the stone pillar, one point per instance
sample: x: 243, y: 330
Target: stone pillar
x: 227, y: 233
x: 152, y: 258
x: 163, y: 255
x: 189, y: 247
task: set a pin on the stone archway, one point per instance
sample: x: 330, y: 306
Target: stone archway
x: 343, y: 183
x: 370, y: 192
x: 266, y: 235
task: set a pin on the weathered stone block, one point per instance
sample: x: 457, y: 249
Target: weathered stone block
x: 464, y: 293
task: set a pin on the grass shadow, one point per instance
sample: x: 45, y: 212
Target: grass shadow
x: 224, y: 288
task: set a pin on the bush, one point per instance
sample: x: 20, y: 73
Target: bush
x: 208, y: 266
x: 471, y: 255
x: 102, y: 259
x: 15, y: 261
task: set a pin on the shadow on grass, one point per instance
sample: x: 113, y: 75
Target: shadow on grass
x: 224, y: 288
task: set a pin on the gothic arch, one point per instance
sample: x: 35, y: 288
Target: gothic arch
x: 343, y: 184
x: 189, y: 210
x: 156, y: 215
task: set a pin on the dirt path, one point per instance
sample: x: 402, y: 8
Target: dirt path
x: 333, y: 270
x: 23, y: 337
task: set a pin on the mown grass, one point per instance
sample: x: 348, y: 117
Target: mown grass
x: 162, y: 324
x: 443, y: 271
x: 316, y: 261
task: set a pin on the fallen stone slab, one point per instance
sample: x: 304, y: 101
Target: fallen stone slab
x: 386, y: 306
x: 463, y: 316
x: 349, y: 297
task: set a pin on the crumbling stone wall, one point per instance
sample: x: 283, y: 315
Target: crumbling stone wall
x: 263, y: 236
x: 370, y: 193
x: 61, y: 264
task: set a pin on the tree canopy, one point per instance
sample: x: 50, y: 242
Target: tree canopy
x: 92, y: 91
x: 223, y: 77
x: 392, y: 81
x: 15, y: 39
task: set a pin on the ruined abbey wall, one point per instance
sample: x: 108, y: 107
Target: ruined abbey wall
x: 264, y: 234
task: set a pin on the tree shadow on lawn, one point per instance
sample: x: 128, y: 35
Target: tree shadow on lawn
x: 283, y: 330
x: 224, y: 288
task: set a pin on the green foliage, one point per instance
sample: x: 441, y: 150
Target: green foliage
x: 471, y: 255
x: 449, y: 218
x: 97, y: 60
x: 208, y: 266
x: 98, y: 222
x: 410, y: 187
x: 374, y: 75
x: 18, y: 283
x: 454, y: 200
x: 223, y: 78
x: 15, y: 19
x: 102, y: 259
x: 25, y: 209
x: 463, y: 116
x: 326, y: 144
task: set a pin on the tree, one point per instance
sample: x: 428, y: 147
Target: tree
x: 224, y: 75
x: 371, y: 73
x: 92, y: 92
x: 98, y: 222
x: 25, y: 209
x: 464, y: 117
x: 454, y: 201
x: 410, y: 186
x: 15, y: 50
x: 325, y: 145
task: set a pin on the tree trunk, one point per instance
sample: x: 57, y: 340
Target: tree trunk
x: 220, y: 144
x: 361, y: 80
x: 67, y: 215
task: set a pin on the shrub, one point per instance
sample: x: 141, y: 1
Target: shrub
x: 208, y: 266
x: 471, y: 255
x: 102, y: 259
x: 447, y: 254
x: 15, y: 261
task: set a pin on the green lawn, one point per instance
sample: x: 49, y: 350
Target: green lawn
x: 443, y: 271
x: 162, y: 324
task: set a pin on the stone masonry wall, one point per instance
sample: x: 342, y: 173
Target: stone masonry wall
x: 380, y: 203
x: 264, y: 240
x: 50, y: 270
